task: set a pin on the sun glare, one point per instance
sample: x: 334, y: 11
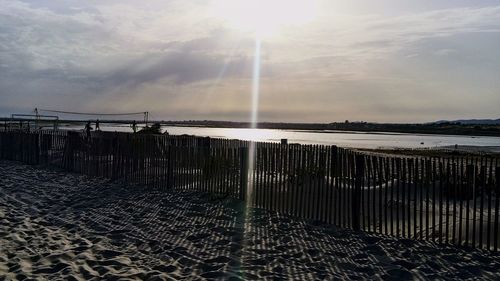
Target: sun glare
x: 265, y: 17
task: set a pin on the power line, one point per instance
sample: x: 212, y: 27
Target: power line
x: 87, y: 113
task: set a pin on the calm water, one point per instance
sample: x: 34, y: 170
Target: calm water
x: 340, y: 138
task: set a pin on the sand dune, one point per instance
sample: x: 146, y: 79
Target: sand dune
x: 55, y: 225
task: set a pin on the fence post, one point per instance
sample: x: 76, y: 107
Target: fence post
x: 207, y: 164
x: 469, y: 194
x: 44, y: 145
x: 8, y: 146
x: 243, y: 172
x: 69, y: 150
x: 28, y: 145
x: 356, y: 192
x: 170, y: 169
x: 115, y: 162
x: 37, y: 148
x: 335, y: 169
x: 497, y: 194
x: 471, y: 181
x: 2, y: 143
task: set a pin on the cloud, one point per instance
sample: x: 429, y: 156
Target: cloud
x: 182, y: 67
x: 99, y: 55
x: 445, y: 52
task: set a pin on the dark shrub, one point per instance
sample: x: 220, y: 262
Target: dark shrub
x: 155, y: 129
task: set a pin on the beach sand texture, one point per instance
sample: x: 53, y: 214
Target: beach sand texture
x: 60, y: 226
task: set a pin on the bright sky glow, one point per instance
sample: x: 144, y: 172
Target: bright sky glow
x: 265, y: 17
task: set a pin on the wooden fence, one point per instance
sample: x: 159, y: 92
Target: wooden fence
x: 452, y: 200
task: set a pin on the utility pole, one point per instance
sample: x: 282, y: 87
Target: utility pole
x: 36, y: 117
x: 146, y: 117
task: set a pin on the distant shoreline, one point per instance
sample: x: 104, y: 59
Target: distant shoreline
x: 428, y: 129
x: 440, y: 128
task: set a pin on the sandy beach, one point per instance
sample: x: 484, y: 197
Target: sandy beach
x: 60, y: 226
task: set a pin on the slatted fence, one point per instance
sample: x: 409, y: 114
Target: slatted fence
x: 452, y: 200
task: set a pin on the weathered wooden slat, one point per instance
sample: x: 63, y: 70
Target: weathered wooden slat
x: 497, y: 205
x: 454, y: 195
x: 482, y: 178
x: 403, y: 198
x: 471, y: 180
x: 396, y: 201
x: 356, y: 192
x: 461, y: 187
x: 412, y: 196
x: 364, y: 195
x: 490, y: 188
x: 384, y: 195
x: 286, y: 179
x: 441, y: 178
x: 433, y: 178
x: 334, y: 175
x: 427, y: 165
x: 379, y: 192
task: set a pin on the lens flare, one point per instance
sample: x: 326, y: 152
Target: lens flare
x: 265, y: 17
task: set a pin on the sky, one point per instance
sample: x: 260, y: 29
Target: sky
x: 382, y: 61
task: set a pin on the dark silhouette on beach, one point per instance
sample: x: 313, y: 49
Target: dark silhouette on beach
x: 88, y: 128
x: 134, y: 126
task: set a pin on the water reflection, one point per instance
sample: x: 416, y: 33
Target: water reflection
x: 344, y: 139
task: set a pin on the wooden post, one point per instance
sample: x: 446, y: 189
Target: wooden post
x: 2, y: 136
x: 114, y: 151
x: 28, y: 138
x: 482, y: 183
x: 284, y: 141
x: 169, y: 167
x: 36, y: 148
x: 69, y: 151
x: 356, y: 192
x: 497, y: 192
x: 335, y: 167
x: 471, y: 176
x: 243, y: 172
x: 209, y: 168
x: 45, y: 146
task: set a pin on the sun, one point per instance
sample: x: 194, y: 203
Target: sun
x: 265, y: 17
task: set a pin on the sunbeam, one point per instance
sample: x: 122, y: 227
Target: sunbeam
x: 254, y: 120
x: 255, y: 112
x: 256, y: 82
